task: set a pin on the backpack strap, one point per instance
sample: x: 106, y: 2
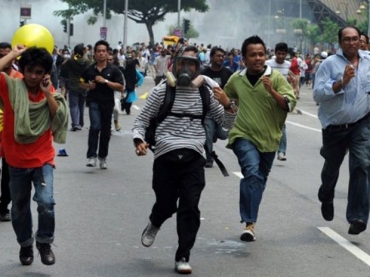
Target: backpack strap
x: 166, y: 107
x: 206, y: 101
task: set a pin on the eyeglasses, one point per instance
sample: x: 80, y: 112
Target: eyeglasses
x: 351, y: 39
x: 363, y: 42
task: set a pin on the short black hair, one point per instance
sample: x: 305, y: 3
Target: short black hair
x: 5, y: 45
x: 34, y: 56
x: 101, y: 42
x: 215, y: 49
x: 281, y: 46
x: 79, y: 49
x: 340, y: 32
x: 251, y: 40
x: 362, y: 34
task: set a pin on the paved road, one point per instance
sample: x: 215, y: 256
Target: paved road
x: 100, y: 216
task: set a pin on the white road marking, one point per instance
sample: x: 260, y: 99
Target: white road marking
x: 303, y: 126
x: 239, y: 174
x: 357, y: 252
x: 136, y: 107
x: 309, y: 114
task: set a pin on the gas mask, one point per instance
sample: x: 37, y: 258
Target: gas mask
x: 185, y: 75
x: 185, y: 69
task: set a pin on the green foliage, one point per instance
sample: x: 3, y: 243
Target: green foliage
x: 301, y: 24
x: 330, y: 31
x: 148, y: 12
x: 313, y: 33
x: 362, y: 26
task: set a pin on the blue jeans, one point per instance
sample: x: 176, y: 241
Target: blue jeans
x: 213, y: 132
x: 76, y: 107
x: 282, y: 144
x: 255, y: 167
x: 21, y: 180
x: 99, y: 132
x: 336, y: 143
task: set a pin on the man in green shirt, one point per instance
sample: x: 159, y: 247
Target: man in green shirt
x: 264, y: 98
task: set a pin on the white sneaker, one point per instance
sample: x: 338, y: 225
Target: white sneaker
x: 281, y: 156
x: 117, y: 126
x: 149, y: 233
x: 103, y: 163
x: 183, y: 267
x: 91, y: 162
x: 248, y: 233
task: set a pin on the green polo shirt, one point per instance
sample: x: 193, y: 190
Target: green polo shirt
x: 260, y: 120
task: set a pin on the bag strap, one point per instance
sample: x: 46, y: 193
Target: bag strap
x: 206, y: 101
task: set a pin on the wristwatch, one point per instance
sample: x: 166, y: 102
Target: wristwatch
x: 106, y: 81
x: 232, y: 106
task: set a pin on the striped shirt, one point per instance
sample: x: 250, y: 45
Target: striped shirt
x: 283, y: 68
x: 351, y: 103
x: 179, y: 132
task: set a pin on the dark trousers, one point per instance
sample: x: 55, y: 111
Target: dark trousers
x: 100, y: 131
x: 179, y: 175
x: 355, y: 139
x: 5, y: 191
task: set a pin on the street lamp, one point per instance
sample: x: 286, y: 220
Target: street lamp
x: 346, y: 11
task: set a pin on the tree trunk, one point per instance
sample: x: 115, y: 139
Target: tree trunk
x: 149, y: 27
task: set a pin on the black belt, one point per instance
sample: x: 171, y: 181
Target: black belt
x: 343, y: 127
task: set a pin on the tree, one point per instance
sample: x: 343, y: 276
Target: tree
x: 300, y: 29
x: 141, y: 11
x: 330, y: 31
x: 313, y: 33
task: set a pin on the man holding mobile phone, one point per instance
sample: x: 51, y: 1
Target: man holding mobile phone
x: 34, y: 117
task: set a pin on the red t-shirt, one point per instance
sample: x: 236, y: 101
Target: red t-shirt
x: 21, y: 155
x: 294, y: 66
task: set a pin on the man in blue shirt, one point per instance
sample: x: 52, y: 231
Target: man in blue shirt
x: 342, y: 87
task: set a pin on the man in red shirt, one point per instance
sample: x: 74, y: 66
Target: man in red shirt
x: 34, y: 116
x: 294, y: 67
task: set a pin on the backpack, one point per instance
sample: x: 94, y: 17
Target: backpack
x: 166, y: 109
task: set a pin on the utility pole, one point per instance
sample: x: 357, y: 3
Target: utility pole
x: 125, y: 26
x: 105, y: 13
x: 179, y: 11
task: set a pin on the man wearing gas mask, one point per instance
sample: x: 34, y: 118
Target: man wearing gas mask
x: 178, y: 170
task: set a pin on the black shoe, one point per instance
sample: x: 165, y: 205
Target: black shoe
x: 327, y: 210
x: 209, y: 164
x: 357, y: 227
x: 5, y: 216
x: 26, y: 255
x: 47, y: 255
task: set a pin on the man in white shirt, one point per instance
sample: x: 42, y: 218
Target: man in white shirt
x: 279, y: 63
x: 160, y: 65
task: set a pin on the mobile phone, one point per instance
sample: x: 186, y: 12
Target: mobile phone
x: 45, y: 82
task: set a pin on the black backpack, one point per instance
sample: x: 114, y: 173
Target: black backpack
x: 166, y: 109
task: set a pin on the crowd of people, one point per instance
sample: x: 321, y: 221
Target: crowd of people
x: 243, y: 96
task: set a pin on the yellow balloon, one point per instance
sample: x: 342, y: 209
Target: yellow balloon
x: 34, y: 35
